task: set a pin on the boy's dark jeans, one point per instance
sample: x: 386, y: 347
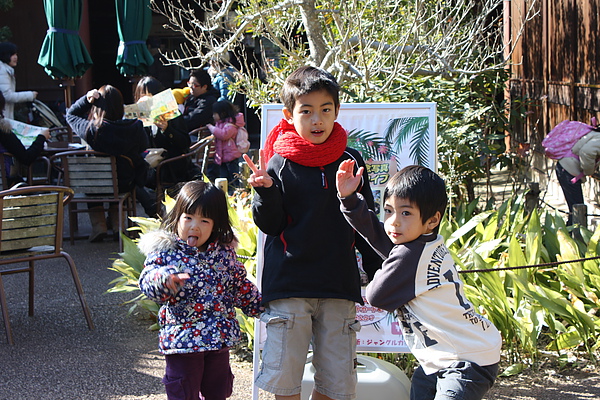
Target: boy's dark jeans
x: 463, y: 380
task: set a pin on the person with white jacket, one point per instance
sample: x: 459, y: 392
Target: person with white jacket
x: 571, y: 171
x: 8, y: 82
x: 457, y: 348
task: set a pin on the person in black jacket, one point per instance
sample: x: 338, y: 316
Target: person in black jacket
x: 197, y: 108
x: 311, y: 280
x: 10, y: 143
x: 97, y: 118
x: 197, y: 111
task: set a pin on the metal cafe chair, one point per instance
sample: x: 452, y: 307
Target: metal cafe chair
x: 93, y: 177
x: 31, y: 229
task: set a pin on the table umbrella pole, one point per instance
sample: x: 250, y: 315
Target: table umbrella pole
x: 67, y: 84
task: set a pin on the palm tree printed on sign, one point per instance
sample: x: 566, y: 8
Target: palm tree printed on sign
x: 371, y: 145
x: 415, y: 128
x: 375, y: 147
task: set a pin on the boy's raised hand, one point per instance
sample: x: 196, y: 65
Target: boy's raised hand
x: 259, y: 177
x: 346, y: 181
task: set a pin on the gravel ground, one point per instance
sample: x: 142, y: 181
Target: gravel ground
x: 56, y: 357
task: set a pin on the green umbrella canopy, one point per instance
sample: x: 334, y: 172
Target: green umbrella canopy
x: 134, y: 19
x: 63, y: 54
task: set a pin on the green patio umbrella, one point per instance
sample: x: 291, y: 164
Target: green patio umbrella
x: 63, y: 54
x: 134, y: 19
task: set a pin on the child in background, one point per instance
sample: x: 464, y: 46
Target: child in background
x: 227, y: 156
x: 192, y: 270
x: 311, y: 280
x: 458, y: 349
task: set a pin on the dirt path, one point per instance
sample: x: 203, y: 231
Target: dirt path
x: 541, y: 385
x: 548, y: 385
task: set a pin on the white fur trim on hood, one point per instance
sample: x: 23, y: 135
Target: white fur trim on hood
x: 157, y: 241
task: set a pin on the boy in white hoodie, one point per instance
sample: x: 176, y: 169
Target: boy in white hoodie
x: 458, y: 349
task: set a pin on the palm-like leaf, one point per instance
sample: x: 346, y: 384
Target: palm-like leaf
x: 371, y: 145
x: 416, y: 128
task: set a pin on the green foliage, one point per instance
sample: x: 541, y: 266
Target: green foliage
x: 416, y: 127
x: 472, y: 120
x: 473, y: 117
x: 371, y: 145
x: 545, y: 307
x: 550, y: 307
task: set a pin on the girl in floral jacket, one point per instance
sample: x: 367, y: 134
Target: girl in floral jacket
x: 192, y: 270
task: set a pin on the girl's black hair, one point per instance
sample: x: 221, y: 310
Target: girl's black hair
x: 7, y: 49
x: 148, y: 84
x: 210, y: 202
x: 225, y: 109
x: 108, y: 107
x: 421, y: 187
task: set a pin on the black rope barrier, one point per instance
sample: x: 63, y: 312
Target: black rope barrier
x: 467, y: 271
x: 549, y: 264
x: 563, y: 211
x: 552, y: 207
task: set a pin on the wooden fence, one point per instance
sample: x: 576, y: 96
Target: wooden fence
x: 556, y: 70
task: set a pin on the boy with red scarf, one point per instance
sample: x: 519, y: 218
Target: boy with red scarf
x: 310, y: 281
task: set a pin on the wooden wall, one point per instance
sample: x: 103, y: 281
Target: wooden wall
x: 556, y: 68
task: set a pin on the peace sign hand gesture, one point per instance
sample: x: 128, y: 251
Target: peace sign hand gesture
x: 259, y: 177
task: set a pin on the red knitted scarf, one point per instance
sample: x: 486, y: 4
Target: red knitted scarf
x: 285, y: 141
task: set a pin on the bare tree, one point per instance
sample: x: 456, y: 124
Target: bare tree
x: 370, y: 45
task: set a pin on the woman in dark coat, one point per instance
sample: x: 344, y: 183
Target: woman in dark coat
x: 97, y: 118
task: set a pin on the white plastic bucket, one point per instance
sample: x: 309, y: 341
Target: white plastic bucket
x: 377, y: 379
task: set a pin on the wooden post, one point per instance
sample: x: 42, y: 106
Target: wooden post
x: 532, y: 197
x: 67, y: 85
x: 221, y: 183
x: 580, y: 215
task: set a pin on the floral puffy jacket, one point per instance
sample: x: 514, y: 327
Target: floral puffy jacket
x: 201, y: 315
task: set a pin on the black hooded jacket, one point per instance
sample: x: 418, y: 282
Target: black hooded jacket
x: 124, y: 137
x: 309, y: 250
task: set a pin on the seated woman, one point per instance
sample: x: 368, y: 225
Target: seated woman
x: 97, y: 118
x: 10, y: 143
x: 171, y: 136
